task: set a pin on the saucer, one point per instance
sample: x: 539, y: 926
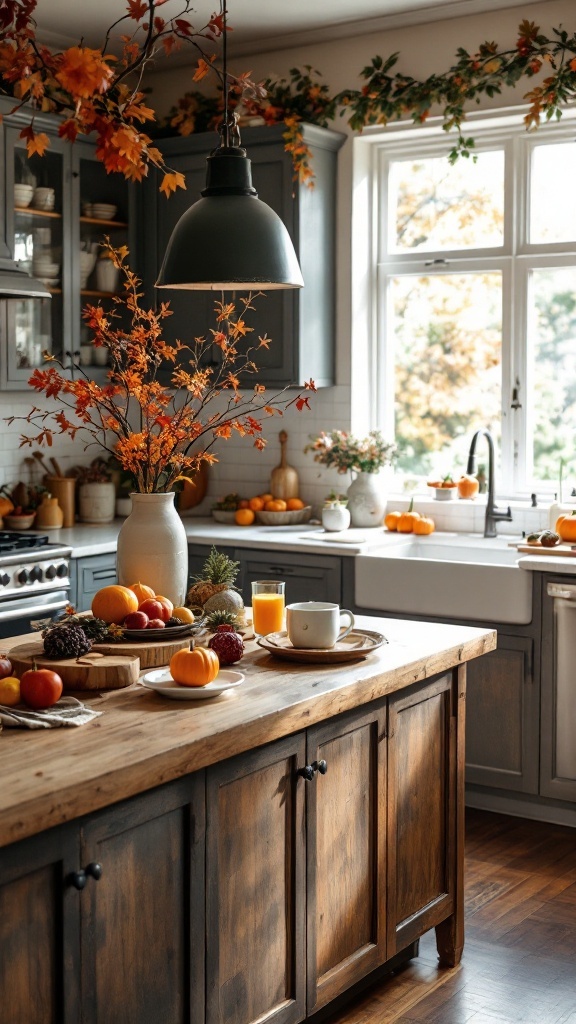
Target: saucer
x: 357, y: 645
x: 162, y: 682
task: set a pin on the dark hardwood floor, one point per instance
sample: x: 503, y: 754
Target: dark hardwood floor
x: 519, y: 963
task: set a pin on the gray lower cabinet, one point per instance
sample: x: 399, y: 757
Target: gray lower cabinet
x: 503, y: 711
x: 558, y: 738
x: 308, y: 577
x: 88, y: 576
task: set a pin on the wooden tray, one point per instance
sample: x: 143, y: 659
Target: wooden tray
x: 107, y: 672
x: 358, y: 644
x: 152, y: 655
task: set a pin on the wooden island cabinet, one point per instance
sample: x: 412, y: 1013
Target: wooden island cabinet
x: 240, y: 860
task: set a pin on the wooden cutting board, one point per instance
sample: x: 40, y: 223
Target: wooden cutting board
x: 151, y: 655
x: 107, y: 672
x: 284, y: 479
x: 539, y: 549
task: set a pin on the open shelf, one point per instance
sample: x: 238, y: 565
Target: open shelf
x: 31, y: 212
x: 104, y: 223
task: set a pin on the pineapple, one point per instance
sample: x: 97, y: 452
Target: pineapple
x: 219, y: 618
x: 214, y: 588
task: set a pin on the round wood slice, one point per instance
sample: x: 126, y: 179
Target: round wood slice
x: 107, y: 672
x: 152, y: 655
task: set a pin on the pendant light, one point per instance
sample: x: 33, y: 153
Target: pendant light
x: 229, y: 239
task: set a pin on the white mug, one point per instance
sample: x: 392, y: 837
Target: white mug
x: 316, y: 624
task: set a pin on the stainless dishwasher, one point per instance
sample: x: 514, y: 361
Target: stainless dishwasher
x: 564, y: 674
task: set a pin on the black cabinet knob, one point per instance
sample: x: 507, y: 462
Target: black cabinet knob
x: 79, y: 878
x: 95, y: 871
x: 307, y: 772
x: 320, y: 766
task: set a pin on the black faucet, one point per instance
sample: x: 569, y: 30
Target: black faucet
x: 493, y: 514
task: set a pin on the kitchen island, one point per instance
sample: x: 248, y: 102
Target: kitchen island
x: 250, y: 858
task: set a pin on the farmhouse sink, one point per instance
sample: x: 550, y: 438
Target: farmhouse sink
x: 458, y: 577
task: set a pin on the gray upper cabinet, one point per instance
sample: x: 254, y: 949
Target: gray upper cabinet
x: 300, y: 322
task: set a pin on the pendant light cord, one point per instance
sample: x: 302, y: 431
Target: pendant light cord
x: 224, y: 12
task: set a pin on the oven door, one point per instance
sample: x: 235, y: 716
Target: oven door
x: 17, y: 615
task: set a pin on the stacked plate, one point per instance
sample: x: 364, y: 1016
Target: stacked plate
x: 104, y: 211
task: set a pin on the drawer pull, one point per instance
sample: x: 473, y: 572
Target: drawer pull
x: 284, y: 570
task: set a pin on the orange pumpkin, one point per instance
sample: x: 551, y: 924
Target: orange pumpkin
x: 6, y: 506
x: 424, y: 525
x: 143, y: 593
x: 197, y: 667
x: 391, y: 520
x: 468, y: 486
x: 407, y: 519
x: 566, y: 526
x: 114, y: 603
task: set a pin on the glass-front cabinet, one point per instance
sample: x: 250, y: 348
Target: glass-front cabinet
x: 59, y: 208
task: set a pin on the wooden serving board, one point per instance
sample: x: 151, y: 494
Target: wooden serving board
x: 539, y: 549
x: 151, y: 655
x: 106, y: 672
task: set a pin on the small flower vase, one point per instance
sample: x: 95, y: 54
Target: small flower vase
x: 335, y: 517
x: 153, y: 547
x: 366, y: 501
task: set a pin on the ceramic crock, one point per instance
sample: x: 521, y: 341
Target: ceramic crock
x: 153, y: 548
x: 366, y: 500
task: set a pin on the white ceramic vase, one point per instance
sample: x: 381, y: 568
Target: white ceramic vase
x: 366, y: 500
x: 97, y: 502
x: 153, y: 548
x: 335, y: 517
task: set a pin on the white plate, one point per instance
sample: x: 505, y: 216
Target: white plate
x: 161, y: 681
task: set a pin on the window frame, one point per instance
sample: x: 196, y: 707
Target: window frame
x: 515, y: 258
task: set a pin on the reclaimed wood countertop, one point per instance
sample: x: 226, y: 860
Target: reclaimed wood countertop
x: 142, y: 740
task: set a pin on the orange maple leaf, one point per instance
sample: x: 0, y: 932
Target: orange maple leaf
x: 171, y: 181
x: 84, y: 71
x: 201, y: 70
x: 137, y: 9
x: 35, y: 143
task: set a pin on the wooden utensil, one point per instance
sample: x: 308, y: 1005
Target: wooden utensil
x: 96, y: 671
x: 56, y: 467
x: 284, y: 478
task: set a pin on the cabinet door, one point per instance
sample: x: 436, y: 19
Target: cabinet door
x: 502, y: 727
x: 142, y: 945
x: 39, y: 933
x: 308, y: 577
x: 426, y: 815
x: 346, y: 853
x: 91, y: 575
x: 558, y: 768
x: 255, y: 897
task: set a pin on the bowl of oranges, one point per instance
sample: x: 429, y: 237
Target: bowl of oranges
x: 262, y: 508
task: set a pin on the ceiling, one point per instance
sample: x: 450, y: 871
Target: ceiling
x: 260, y: 25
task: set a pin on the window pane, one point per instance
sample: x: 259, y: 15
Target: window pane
x: 432, y: 205
x: 552, y: 193
x: 447, y: 334
x: 552, y: 357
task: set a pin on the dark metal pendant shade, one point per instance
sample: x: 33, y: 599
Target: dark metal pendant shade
x: 229, y: 239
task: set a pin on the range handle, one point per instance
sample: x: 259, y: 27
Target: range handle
x: 567, y: 591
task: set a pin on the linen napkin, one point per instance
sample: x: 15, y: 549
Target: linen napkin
x: 68, y: 711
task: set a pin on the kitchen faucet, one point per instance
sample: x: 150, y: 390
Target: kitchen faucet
x: 493, y: 514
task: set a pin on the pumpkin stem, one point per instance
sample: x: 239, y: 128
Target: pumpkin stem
x: 411, y: 505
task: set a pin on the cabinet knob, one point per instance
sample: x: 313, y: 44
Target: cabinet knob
x: 320, y: 766
x: 79, y: 878
x: 307, y: 772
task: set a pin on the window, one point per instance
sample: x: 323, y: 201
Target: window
x: 475, y: 300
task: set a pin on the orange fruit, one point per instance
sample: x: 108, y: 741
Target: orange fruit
x: 183, y: 613
x: 256, y: 504
x: 294, y: 504
x: 10, y: 691
x: 244, y: 516
x: 277, y: 505
x: 114, y: 603
x: 267, y: 497
x: 142, y: 592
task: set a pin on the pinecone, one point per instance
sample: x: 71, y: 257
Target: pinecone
x: 94, y: 629
x: 221, y: 618
x: 173, y: 621
x: 66, y: 642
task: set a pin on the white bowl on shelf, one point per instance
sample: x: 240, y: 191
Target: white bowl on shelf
x: 104, y: 211
x: 87, y: 209
x: 44, y: 198
x: 45, y: 268
x: 23, y: 195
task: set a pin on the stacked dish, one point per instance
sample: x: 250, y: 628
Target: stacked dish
x: 23, y: 195
x: 46, y: 270
x: 104, y: 211
x: 44, y: 199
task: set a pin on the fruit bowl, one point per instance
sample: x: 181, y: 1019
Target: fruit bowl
x: 223, y: 516
x: 23, y: 522
x: 300, y: 515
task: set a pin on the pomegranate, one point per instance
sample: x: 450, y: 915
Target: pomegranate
x: 228, y: 646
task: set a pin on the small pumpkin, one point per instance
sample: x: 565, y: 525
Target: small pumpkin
x: 424, y: 525
x: 6, y: 507
x: 407, y: 519
x: 391, y: 520
x: 566, y: 526
x: 468, y: 486
x: 197, y: 667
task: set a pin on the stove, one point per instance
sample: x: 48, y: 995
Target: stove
x: 34, y: 579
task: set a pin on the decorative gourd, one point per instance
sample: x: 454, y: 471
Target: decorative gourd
x: 197, y: 667
x: 468, y: 486
x: 407, y: 519
x: 566, y: 526
x: 391, y: 520
x: 424, y: 526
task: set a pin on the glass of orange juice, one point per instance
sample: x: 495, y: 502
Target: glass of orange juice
x: 268, y: 606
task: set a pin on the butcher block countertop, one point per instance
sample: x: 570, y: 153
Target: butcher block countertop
x: 142, y: 740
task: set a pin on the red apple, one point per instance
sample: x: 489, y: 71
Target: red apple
x: 136, y: 620
x: 151, y: 608
x: 155, y: 624
x: 40, y: 688
x: 5, y: 667
x: 167, y: 607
